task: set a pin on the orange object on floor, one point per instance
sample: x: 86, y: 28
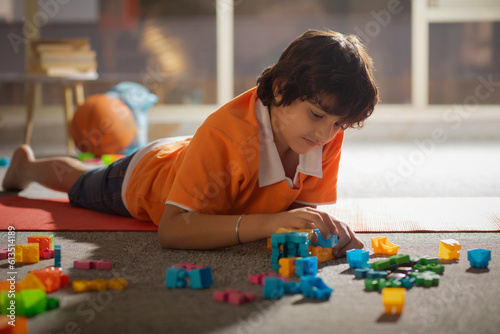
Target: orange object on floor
x: 383, y: 246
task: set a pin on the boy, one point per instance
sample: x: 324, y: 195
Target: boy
x: 263, y: 161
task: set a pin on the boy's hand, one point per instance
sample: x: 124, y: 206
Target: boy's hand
x: 307, y: 217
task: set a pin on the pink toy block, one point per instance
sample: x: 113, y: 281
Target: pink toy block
x: 220, y: 296
x: 250, y: 297
x: 102, y: 264
x: 255, y: 279
x: 3, y: 253
x: 83, y: 264
x: 259, y: 278
x: 46, y: 254
x: 235, y: 298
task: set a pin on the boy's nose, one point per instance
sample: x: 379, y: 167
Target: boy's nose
x: 326, y: 132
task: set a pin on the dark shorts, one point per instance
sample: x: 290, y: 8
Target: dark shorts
x: 100, y: 189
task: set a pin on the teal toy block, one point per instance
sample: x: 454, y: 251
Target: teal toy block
x: 200, y: 278
x: 57, y: 255
x: 479, y: 258
x: 299, y: 238
x: 306, y: 266
x: 325, y: 243
x: 358, y: 258
x: 361, y: 272
x: 408, y: 282
x: 399, y: 259
x: 314, y: 287
x: 274, y: 287
x: 437, y: 268
x: 374, y: 274
x: 176, y: 277
x: 292, y: 288
x: 426, y: 279
x: 381, y: 264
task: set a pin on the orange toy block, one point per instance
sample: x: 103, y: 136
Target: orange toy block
x: 50, y: 277
x: 323, y: 254
x: 393, y: 299
x: 383, y: 246
x: 117, y: 284
x: 21, y: 325
x: 5, y: 286
x: 27, y: 253
x: 44, y: 241
x: 449, y: 249
x: 287, y: 266
x: 32, y: 282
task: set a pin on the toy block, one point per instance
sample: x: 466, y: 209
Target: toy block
x: 314, y: 287
x: 287, y: 266
x: 292, y: 288
x: 382, y: 284
x: 372, y: 284
x: 4, y: 253
x: 437, y: 268
x: 102, y: 264
x: 44, y: 241
x: 404, y: 270
x: 381, y: 245
x: 361, y: 272
x: 408, y: 282
x: 273, y: 287
x: 425, y: 260
x: 190, y: 266
x: 30, y: 281
x: 50, y: 277
x: 45, y: 254
x: 81, y: 286
x: 306, y: 266
x: 397, y: 276
x: 200, y: 278
x: 399, y: 259
x: 377, y: 273
x: 449, y: 249
x: 358, y: 258
x: 117, y: 284
x: 323, y: 254
x: 52, y: 303
x: 479, y: 258
x: 220, y: 296
x: 426, y: 279
x: 393, y: 299
x: 27, y: 303
x: 259, y: 278
x: 21, y: 326
x: 82, y: 264
x: 176, y: 277
x: 233, y: 296
x: 323, y: 242
x: 57, y: 255
x: 27, y: 253
x: 381, y: 264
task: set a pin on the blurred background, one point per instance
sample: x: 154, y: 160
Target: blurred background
x: 430, y: 55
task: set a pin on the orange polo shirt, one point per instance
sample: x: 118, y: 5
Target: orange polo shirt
x: 230, y: 166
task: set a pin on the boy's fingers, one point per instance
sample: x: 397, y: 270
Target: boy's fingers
x: 353, y: 243
x: 344, y: 239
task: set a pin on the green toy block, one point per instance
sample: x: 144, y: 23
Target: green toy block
x: 426, y: 278
x: 27, y: 303
x: 425, y: 260
x: 372, y: 284
x: 382, y: 284
x: 399, y: 259
x: 52, y: 303
x: 437, y: 268
x: 381, y: 264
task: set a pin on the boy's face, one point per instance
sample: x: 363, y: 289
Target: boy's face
x: 303, y: 126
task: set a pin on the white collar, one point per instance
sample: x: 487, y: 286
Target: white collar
x: 271, y: 169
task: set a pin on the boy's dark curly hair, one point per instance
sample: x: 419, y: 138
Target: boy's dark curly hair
x: 326, y: 68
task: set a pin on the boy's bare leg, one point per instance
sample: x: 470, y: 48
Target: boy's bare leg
x: 58, y: 173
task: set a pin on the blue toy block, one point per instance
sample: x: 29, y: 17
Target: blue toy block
x: 408, y: 282
x: 274, y: 287
x: 292, y: 288
x: 299, y: 238
x: 176, y: 277
x: 57, y: 255
x: 306, y: 266
x: 358, y: 258
x: 314, y: 287
x: 4, y: 162
x: 200, y: 278
x: 479, y: 258
x: 376, y: 274
x: 325, y: 243
x: 361, y: 272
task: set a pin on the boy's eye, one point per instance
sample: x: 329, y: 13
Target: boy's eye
x: 318, y: 116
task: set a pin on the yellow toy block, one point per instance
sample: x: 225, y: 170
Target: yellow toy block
x: 393, y: 299
x: 32, y: 282
x: 27, y: 253
x: 99, y: 285
x: 449, y: 249
x: 383, y: 246
x: 323, y: 254
x: 117, y: 284
x: 287, y: 266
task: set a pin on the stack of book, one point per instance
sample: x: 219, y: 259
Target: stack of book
x: 62, y: 57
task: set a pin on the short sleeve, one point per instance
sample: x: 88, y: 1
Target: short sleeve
x: 321, y: 191
x: 208, y: 178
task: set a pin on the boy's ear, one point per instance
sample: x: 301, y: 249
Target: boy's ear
x: 277, y: 87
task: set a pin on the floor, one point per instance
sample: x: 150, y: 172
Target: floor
x: 465, y: 301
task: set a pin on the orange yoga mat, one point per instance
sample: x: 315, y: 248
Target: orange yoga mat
x: 427, y: 214
x: 57, y: 215
x: 459, y: 214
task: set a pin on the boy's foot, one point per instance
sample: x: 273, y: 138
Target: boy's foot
x: 15, y: 177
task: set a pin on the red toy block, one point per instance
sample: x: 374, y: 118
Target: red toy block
x: 44, y: 241
x: 4, y: 253
x: 235, y: 297
x: 82, y: 264
x: 46, y: 254
x: 92, y: 264
x: 250, y: 297
x: 50, y: 277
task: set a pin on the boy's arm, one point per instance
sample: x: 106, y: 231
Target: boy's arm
x: 181, y: 229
